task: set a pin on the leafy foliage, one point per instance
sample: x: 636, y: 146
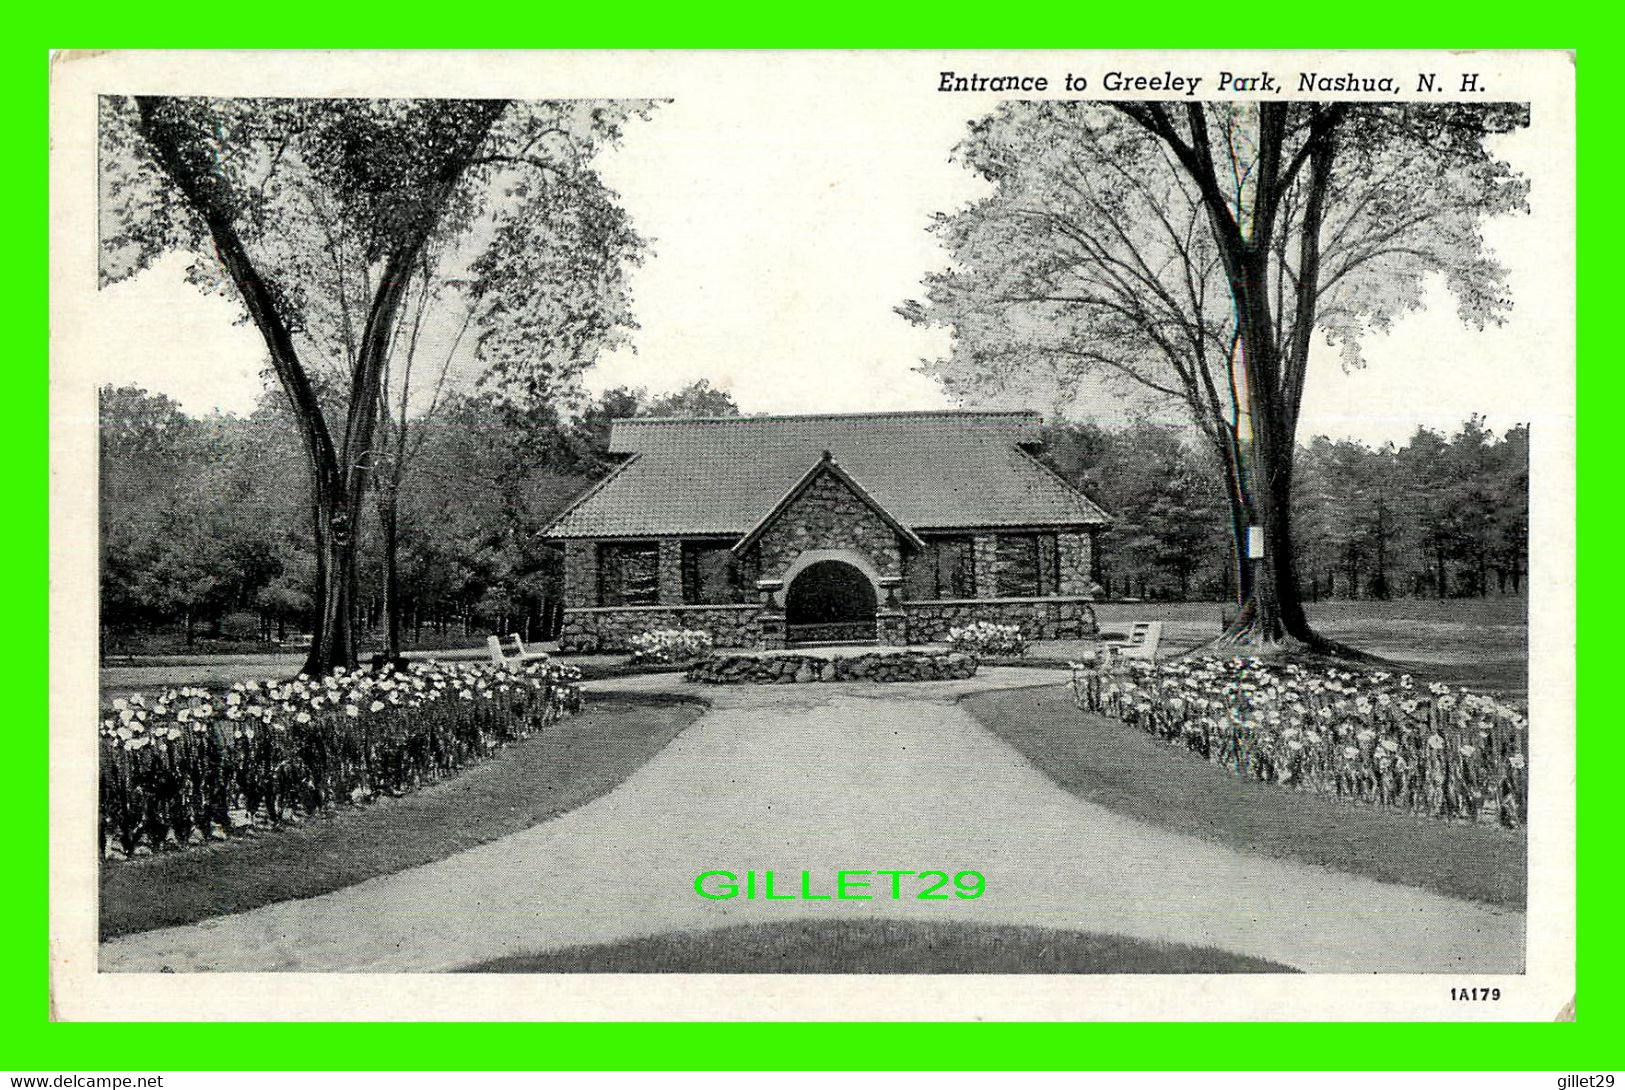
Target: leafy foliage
x: 319, y: 215
x: 1193, y: 252
x: 204, y: 504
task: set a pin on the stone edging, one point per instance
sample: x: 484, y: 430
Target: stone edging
x: 787, y: 667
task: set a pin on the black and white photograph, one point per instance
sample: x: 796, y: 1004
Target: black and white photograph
x: 1017, y: 535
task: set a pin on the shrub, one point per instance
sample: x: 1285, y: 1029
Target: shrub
x: 987, y: 638
x: 1375, y: 737
x: 670, y: 645
x: 192, y: 764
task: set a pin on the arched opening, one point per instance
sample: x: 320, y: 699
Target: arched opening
x: 829, y: 601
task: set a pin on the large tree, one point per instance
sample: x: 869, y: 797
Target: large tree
x: 319, y: 215
x: 1194, y: 251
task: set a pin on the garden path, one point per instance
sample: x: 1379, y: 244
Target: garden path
x: 841, y: 776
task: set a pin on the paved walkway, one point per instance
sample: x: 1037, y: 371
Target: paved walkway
x: 841, y: 776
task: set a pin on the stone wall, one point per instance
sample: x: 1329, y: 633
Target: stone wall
x: 985, y: 559
x: 671, y: 572
x: 788, y: 667
x: 580, y: 573
x: 1077, y: 562
x: 828, y: 515
x: 1065, y: 618
x: 609, y: 629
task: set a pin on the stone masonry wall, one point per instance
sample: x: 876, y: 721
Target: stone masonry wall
x: 1038, y: 618
x: 828, y: 515
x: 1077, y: 562
x: 985, y: 558
x: 671, y: 572
x: 609, y: 629
x: 790, y: 667
x: 580, y: 573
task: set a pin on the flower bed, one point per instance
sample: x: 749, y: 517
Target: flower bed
x: 190, y: 764
x: 1377, y: 738
x: 786, y: 667
x: 667, y: 645
x: 987, y: 638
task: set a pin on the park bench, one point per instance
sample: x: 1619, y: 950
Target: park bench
x: 1143, y: 637
x: 517, y: 656
x: 523, y: 655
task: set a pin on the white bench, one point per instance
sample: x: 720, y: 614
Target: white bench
x: 1142, y: 641
x: 515, y: 657
x: 523, y: 655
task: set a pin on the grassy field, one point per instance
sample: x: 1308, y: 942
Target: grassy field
x: 882, y: 946
x: 1480, y: 643
x: 1124, y: 769
x: 580, y: 758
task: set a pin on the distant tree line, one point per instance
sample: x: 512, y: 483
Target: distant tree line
x: 201, y: 536
x: 1441, y: 516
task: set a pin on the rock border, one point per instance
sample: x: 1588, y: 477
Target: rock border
x: 803, y: 667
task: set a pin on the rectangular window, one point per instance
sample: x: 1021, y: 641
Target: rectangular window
x: 956, y: 567
x: 710, y: 574
x: 628, y: 573
x: 1027, y: 565
x: 946, y: 568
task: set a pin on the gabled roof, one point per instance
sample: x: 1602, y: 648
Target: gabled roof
x: 826, y: 464
x: 928, y: 470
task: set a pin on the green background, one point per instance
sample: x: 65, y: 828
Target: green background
x: 30, y: 1041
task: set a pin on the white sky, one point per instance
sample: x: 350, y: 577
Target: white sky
x: 783, y: 235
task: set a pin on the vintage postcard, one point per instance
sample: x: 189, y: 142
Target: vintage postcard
x: 884, y: 535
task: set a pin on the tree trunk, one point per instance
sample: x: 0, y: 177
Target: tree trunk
x: 339, y: 476
x: 332, y: 640
x: 392, y: 577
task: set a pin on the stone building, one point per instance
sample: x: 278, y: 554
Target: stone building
x: 767, y: 530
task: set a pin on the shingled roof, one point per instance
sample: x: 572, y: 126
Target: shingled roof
x: 721, y: 476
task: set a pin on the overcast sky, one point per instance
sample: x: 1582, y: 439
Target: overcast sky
x: 783, y: 236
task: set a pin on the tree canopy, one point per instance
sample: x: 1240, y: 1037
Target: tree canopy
x: 1194, y: 252
x: 320, y: 216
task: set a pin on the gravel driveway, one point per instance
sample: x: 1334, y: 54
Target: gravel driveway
x: 841, y: 776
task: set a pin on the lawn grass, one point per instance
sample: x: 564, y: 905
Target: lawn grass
x: 1108, y: 763
x: 571, y: 763
x: 882, y: 946
x: 1479, y: 643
